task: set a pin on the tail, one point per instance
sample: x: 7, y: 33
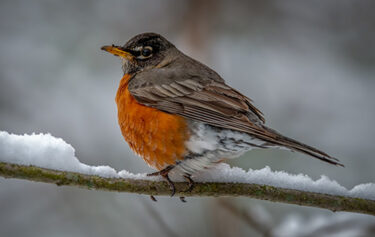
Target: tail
x: 292, y: 144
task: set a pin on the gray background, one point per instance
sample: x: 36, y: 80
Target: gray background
x: 309, y: 66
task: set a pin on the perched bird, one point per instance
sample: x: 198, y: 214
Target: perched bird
x: 181, y: 117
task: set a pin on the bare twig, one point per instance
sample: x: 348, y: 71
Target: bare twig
x: 257, y: 191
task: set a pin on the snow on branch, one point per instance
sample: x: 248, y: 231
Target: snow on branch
x: 44, y: 158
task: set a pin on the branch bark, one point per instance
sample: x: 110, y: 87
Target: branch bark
x: 263, y: 192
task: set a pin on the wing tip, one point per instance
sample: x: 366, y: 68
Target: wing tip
x: 301, y: 147
x: 333, y: 161
x: 337, y: 162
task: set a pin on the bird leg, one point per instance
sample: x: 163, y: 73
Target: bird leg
x: 164, y: 173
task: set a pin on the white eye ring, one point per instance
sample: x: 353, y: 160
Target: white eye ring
x: 145, y: 52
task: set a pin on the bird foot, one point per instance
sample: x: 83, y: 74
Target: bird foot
x: 164, y: 173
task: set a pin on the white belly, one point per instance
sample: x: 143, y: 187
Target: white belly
x: 209, y: 145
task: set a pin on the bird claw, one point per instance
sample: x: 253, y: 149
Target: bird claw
x: 191, y: 183
x: 171, y: 184
x: 153, y: 198
x: 182, y: 199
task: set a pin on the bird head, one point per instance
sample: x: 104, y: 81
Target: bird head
x: 143, y: 51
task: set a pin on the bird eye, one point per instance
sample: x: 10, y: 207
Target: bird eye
x: 143, y: 52
x: 146, y: 51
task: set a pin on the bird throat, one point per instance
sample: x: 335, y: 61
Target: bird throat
x: 128, y: 67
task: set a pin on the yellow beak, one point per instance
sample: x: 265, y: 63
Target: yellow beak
x: 117, y: 51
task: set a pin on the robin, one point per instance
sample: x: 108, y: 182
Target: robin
x: 181, y: 117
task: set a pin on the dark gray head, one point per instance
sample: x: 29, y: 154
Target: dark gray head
x: 142, y: 51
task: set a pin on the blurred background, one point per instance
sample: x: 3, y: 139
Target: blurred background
x: 308, y: 65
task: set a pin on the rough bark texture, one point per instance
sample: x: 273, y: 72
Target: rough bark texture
x: 263, y: 192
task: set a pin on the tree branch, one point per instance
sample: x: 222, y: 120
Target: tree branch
x: 263, y: 192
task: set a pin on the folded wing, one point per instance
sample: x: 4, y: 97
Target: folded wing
x: 206, y: 98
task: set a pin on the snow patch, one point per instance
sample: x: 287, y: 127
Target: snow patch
x: 46, y: 151
x: 224, y: 173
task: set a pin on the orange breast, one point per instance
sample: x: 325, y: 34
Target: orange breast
x: 156, y: 136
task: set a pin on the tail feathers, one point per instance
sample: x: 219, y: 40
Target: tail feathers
x: 292, y: 144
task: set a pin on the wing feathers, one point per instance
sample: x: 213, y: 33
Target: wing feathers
x: 212, y: 102
x: 182, y: 89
